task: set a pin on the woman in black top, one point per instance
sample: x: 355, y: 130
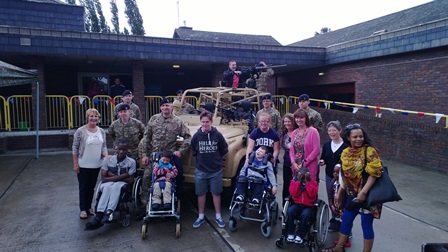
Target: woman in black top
x: 331, y: 152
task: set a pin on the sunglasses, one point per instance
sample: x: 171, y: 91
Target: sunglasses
x: 353, y: 126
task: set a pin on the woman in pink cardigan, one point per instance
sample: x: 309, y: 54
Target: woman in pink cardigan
x: 305, y: 145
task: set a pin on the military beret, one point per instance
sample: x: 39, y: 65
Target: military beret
x: 123, y: 107
x: 126, y: 92
x: 304, y: 97
x: 267, y: 97
x: 165, y: 100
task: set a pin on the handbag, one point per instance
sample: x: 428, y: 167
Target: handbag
x: 382, y: 191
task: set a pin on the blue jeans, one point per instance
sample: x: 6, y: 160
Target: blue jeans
x: 366, y: 223
x: 304, y: 215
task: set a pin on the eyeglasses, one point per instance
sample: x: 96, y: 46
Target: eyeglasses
x: 353, y: 126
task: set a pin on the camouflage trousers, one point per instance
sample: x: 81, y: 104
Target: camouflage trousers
x: 146, y: 183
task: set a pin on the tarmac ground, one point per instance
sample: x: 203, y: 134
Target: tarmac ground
x: 39, y: 212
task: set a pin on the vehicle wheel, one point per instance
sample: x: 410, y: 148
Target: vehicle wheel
x: 232, y: 224
x: 126, y: 221
x: 177, y: 229
x: 144, y: 230
x: 266, y: 229
x: 279, y: 243
x: 321, y: 224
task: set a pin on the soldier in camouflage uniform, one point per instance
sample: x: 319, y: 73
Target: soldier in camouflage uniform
x: 127, y: 128
x: 315, y: 117
x: 161, y: 134
x: 186, y: 108
x: 127, y: 99
x: 263, y: 78
x: 276, y: 119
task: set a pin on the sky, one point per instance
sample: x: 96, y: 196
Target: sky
x: 287, y: 21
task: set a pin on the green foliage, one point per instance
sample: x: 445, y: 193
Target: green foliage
x: 323, y: 31
x: 114, y: 18
x: 135, y: 20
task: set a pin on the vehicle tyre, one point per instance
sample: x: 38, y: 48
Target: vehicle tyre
x: 279, y: 243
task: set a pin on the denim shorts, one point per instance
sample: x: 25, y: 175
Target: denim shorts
x: 202, y: 180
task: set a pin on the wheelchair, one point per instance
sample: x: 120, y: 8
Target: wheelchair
x: 122, y: 213
x: 266, y: 212
x: 317, y: 228
x: 174, y: 211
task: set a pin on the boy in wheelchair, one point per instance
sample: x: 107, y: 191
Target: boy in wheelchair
x: 303, y: 192
x: 254, y: 175
x: 116, y: 172
x: 164, y: 175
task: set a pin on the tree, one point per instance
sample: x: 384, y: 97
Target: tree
x: 323, y: 31
x: 114, y: 18
x: 135, y: 20
x: 104, y: 28
x: 91, y: 18
x: 71, y: 2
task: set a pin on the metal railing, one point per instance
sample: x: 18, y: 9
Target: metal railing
x: 62, y: 112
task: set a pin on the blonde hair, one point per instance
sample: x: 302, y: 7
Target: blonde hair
x: 92, y: 111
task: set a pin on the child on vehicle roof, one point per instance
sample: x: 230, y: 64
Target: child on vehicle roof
x: 259, y: 170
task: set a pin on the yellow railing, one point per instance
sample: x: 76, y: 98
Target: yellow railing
x: 281, y: 103
x: 20, y: 112
x: 78, y: 106
x: 4, y: 125
x: 57, y: 110
x: 69, y: 112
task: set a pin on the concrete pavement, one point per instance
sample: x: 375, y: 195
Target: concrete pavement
x: 39, y: 212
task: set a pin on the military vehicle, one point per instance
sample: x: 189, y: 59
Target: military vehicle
x: 234, y: 113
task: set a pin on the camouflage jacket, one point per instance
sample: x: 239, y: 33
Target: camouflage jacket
x: 186, y: 108
x: 131, y: 131
x: 276, y: 119
x: 134, y: 111
x: 262, y: 81
x: 161, y: 134
x: 315, y: 119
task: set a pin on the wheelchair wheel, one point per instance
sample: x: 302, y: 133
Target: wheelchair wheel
x: 274, y: 213
x: 144, y: 230
x: 177, y: 229
x: 126, y: 221
x: 136, y: 190
x: 232, y: 224
x: 321, y: 224
x: 279, y: 243
x: 266, y: 229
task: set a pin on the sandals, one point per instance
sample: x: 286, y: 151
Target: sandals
x: 83, y: 215
x: 331, y: 249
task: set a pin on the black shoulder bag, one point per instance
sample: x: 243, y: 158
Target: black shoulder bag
x: 382, y: 191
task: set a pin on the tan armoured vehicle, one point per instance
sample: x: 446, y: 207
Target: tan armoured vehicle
x: 234, y: 113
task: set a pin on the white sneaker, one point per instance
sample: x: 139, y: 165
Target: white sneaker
x: 298, y: 240
x: 290, y: 238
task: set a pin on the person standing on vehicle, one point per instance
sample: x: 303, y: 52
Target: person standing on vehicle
x: 234, y: 77
x: 209, y: 147
x: 161, y: 134
x: 264, y: 77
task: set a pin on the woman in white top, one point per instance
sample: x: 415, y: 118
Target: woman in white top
x: 89, y: 148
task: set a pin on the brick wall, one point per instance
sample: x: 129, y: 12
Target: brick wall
x: 411, y: 143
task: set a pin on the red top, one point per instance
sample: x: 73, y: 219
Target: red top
x: 306, y: 197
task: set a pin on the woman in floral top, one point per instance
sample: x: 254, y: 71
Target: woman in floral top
x: 358, y: 156
x: 305, y: 145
